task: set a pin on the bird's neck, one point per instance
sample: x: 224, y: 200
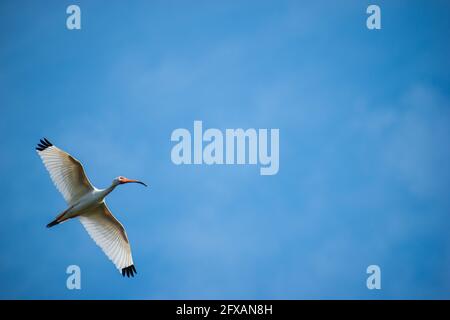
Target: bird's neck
x: 108, y: 190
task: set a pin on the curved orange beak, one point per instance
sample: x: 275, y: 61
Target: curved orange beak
x: 126, y: 180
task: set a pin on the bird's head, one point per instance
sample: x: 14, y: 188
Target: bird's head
x: 123, y: 180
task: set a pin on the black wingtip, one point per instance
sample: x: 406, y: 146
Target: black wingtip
x: 129, y: 271
x: 44, y: 144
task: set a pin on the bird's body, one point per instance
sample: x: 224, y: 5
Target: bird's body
x: 88, y: 204
x: 88, y: 201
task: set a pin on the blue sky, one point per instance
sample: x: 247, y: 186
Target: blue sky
x: 364, y: 125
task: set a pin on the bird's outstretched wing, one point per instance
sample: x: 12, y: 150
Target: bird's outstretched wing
x: 66, y: 172
x: 109, y: 234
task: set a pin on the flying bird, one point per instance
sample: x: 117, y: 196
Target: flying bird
x: 88, y: 204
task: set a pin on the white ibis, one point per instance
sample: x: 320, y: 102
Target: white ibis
x: 88, y: 204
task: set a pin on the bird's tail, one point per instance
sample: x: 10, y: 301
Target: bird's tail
x: 60, y: 218
x: 53, y: 223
